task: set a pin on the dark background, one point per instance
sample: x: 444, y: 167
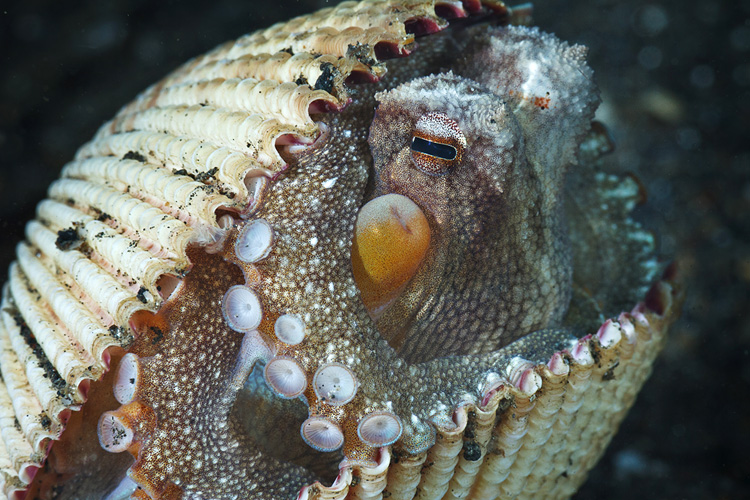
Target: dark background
x: 675, y: 78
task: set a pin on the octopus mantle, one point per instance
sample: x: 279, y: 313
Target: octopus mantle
x: 292, y: 268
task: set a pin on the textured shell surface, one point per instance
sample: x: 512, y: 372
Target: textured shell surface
x: 369, y: 252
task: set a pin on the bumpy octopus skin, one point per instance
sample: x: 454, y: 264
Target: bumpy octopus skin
x: 475, y: 138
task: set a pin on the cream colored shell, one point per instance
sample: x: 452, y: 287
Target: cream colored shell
x: 150, y: 182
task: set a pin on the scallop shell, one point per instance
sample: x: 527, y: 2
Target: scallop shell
x: 116, y: 226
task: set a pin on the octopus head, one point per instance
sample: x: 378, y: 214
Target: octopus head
x: 477, y: 167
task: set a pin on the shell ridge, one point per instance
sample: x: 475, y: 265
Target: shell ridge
x: 190, y: 201
x: 134, y: 216
x: 197, y: 157
x: 110, y: 248
x: 251, y: 134
x: 26, y: 406
x: 285, y: 101
x: 15, y: 451
x: 48, y: 389
x: 72, y: 363
x: 85, y: 327
x: 118, y: 302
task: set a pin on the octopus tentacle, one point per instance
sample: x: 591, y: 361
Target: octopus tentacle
x: 179, y: 427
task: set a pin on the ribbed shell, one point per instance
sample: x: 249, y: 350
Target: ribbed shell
x: 150, y: 182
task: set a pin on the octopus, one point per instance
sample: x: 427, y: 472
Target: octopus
x: 367, y: 253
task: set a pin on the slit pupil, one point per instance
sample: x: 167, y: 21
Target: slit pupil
x: 436, y: 149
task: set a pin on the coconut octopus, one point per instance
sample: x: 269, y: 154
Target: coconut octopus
x: 291, y: 268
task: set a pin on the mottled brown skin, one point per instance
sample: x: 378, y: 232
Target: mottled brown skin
x: 496, y: 242
x: 191, y: 367
x: 192, y: 371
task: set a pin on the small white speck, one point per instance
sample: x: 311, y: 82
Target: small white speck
x: 330, y: 182
x: 313, y: 241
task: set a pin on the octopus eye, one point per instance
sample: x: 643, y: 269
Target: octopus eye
x: 442, y: 151
x: 437, y: 144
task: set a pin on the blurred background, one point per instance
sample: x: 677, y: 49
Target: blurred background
x: 675, y: 80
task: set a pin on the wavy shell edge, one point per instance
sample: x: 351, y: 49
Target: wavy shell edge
x: 523, y: 430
